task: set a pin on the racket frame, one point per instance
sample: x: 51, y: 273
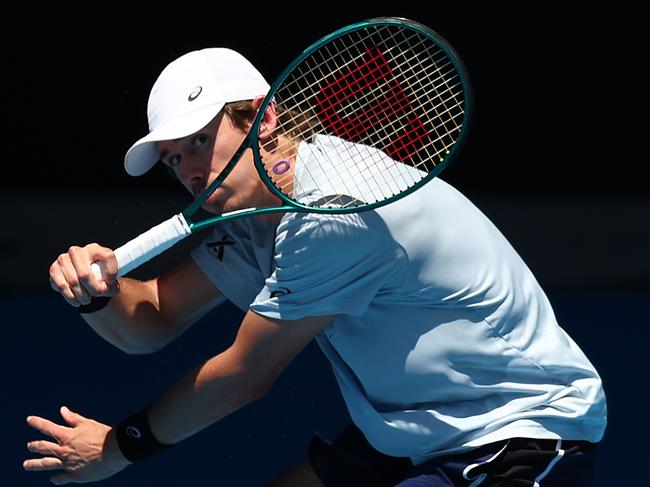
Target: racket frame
x: 251, y: 140
x: 166, y: 234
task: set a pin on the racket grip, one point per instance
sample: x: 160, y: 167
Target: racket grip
x: 146, y: 246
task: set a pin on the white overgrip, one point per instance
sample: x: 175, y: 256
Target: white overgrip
x: 146, y: 246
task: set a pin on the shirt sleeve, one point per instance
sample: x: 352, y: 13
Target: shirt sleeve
x: 329, y: 265
x: 236, y: 256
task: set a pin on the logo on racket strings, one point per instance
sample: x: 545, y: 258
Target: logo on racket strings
x: 366, y: 94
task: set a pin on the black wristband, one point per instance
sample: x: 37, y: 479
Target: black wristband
x: 97, y: 303
x: 135, y: 439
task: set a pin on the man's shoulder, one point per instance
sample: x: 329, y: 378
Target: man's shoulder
x: 329, y: 226
x: 330, y: 239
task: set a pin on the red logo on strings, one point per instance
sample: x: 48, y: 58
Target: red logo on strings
x: 371, y: 79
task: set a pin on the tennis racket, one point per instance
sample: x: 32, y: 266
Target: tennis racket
x: 379, y: 107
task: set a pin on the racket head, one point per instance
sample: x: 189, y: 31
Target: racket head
x: 388, y: 100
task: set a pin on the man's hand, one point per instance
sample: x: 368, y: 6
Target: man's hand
x: 85, y: 449
x: 71, y: 275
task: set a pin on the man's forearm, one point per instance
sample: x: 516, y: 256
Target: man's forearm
x: 243, y: 373
x: 131, y: 321
x: 217, y: 388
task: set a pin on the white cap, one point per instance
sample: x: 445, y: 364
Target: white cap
x: 188, y: 94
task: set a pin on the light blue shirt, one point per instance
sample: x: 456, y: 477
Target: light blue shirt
x: 442, y: 340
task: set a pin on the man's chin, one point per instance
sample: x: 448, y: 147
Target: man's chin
x: 213, y: 208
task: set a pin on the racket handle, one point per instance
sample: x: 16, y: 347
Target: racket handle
x: 146, y: 246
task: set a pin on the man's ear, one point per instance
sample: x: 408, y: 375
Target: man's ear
x: 269, y: 122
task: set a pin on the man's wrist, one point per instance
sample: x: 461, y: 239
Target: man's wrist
x: 96, y: 303
x: 115, y: 452
x: 135, y: 438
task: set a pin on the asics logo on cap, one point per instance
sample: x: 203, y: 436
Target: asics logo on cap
x: 195, y: 93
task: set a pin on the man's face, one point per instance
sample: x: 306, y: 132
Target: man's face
x: 198, y: 159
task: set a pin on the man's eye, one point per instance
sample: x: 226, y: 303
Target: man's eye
x: 199, y: 141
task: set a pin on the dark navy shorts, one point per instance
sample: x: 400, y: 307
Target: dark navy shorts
x: 517, y: 462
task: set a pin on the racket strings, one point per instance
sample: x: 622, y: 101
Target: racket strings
x: 425, y: 92
x: 419, y: 93
x: 422, y: 95
x: 443, y: 77
x: 388, y: 88
x: 416, y: 71
x: 333, y: 59
x: 439, y: 95
x: 357, y: 72
x: 434, y: 155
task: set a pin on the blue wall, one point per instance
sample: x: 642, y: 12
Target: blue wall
x: 52, y: 358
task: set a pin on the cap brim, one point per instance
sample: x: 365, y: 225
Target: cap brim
x: 143, y: 155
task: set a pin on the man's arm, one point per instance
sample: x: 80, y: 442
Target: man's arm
x: 87, y: 450
x: 242, y: 373
x: 146, y: 315
x: 140, y: 317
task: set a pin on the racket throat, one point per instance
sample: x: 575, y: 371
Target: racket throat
x: 200, y: 199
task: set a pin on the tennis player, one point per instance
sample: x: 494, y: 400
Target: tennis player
x: 447, y: 351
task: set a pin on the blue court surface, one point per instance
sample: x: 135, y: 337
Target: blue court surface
x: 52, y: 358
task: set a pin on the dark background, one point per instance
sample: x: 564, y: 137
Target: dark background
x: 557, y: 88
x: 556, y: 157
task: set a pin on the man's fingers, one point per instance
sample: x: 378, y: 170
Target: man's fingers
x: 70, y: 417
x: 111, y: 266
x: 59, y: 284
x: 48, y: 463
x: 71, y: 277
x: 109, y: 263
x: 46, y: 427
x: 45, y: 447
x: 81, y: 259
